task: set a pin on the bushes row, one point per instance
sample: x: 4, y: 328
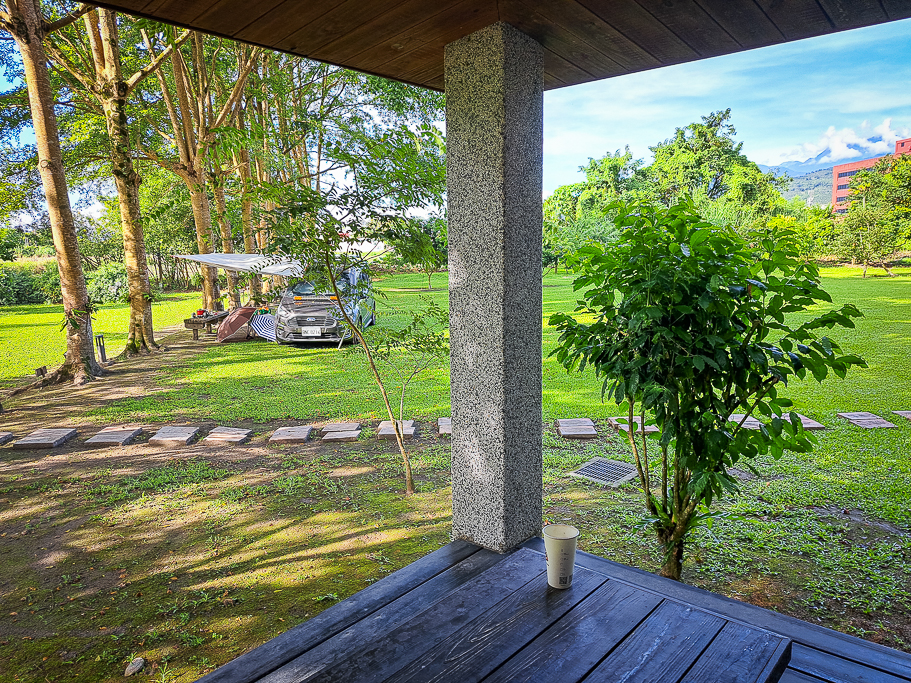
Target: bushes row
x: 39, y: 283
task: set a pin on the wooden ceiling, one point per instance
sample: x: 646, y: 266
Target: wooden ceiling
x: 584, y: 40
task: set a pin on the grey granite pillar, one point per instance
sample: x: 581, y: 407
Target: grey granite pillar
x: 494, y: 131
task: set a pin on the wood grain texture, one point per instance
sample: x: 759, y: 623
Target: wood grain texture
x: 740, y: 654
x: 744, y: 20
x: 791, y: 676
x: 229, y: 17
x: 282, y: 21
x: 381, y: 656
x: 332, y: 25
x: 835, y: 669
x: 572, y: 647
x: 439, y: 571
x: 797, y: 19
x: 853, y: 13
x: 471, y: 653
x: 661, y: 648
x: 693, y: 25
x: 839, y: 646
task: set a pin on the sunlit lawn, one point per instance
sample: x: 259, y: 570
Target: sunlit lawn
x: 30, y: 336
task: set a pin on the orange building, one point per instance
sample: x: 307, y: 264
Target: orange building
x: 841, y: 175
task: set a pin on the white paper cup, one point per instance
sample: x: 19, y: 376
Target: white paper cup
x: 560, y: 554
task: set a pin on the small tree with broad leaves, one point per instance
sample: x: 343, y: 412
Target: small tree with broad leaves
x: 692, y: 325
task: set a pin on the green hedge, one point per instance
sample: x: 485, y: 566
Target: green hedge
x: 29, y: 283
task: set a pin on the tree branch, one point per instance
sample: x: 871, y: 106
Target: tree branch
x: 50, y: 27
x: 140, y: 75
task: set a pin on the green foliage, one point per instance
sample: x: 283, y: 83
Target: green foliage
x: 690, y: 325
x: 10, y: 241
x: 108, y: 283
x: 29, y: 283
x: 868, y: 236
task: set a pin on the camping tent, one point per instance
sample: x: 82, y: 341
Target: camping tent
x: 261, y: 264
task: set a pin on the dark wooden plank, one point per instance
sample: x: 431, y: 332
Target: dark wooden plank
x: 568, y: 23
x: 819, y: 637
x: 797, y: 18
x: 471, y: 653
x: 282, y: 21
x: 457, y: 20
x: 853, y: 13
x: 829, y: 667
x: 741, y: 654
x: 448, y: 565
x: 662, y: 648
x: 897, y: 9
x: 334, y: 24
x: 228, y: 17
x: 627, y: 23
x: 377, y: 646
x: 689, y: 22
x: 791, y: 676
x: 177, y: 11
x: 745, y: 21
x: 574, y: 645
x: 554, y: 37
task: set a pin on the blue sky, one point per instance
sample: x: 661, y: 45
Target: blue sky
x: 788, y: 102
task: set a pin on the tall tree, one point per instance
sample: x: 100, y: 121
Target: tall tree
x: 94, y: 60
x: 24, y: 20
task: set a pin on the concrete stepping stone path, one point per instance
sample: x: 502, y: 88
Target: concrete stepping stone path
x: 901, y: 413
x: 866, y: 420
x: 6, y: 437
x: 620, y: 423
x: 577, y: 428
x: 173, y: 437
x: 750, y: 423
x: 291, y: 434
x: 115, y: 436
x: 341, y: 427
x: 222, y: 435
x: 809, y: 423
x: 387, y: 431
x: 46, y: 438
x: 342, y: 435
x: 444, y: 426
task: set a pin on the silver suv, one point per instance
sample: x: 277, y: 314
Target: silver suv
x: 305, y: 315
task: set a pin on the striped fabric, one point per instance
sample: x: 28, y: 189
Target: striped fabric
x: 264, y: 325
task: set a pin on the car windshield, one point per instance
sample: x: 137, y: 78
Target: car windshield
x: 304, y: 288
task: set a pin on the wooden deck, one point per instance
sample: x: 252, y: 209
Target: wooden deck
x: 465, y: 614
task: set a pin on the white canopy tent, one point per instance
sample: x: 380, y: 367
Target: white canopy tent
x: 261, y: 264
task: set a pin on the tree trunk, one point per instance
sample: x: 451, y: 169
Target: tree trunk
x: 227, y: 241
x: 202, y: 217
x: 141, y: 335
x: 80, y: 363
x: 673, y: 561
x: 246, y: 216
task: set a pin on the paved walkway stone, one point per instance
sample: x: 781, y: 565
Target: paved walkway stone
x: 234, y: 435
x: 901, y: 413
x: 809, y: 423
x: 386, y: 430
x: 577, y: 428
x: 46, y: 438
x: 6, y: 437
x: 444, y: 426
x: 291, y: 434
x: 620, y: 423
x: 350, y: 435
x: 340, y: 427
x: 867, y: 420
x: 750, y: 423
x: 172, y: 437
x: 115, y: 436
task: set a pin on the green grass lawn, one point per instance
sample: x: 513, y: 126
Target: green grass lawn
x: 30, y: 336
x: 192, y: 560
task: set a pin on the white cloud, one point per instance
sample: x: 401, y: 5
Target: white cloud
x: 845, y: 143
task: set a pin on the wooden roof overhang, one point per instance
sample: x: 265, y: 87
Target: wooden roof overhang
x: 584, y: 40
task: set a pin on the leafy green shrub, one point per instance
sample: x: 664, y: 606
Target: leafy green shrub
x: 108, y: 283
x: 29, y: 283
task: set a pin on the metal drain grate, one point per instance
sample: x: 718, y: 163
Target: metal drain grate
x: 606, y: 472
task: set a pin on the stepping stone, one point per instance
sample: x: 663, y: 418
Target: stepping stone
x: 228, y: 435
x: 6, y: 437
x: 341, y: 427
x: 291, y: 434
x: 810, y: 424
x: 172, y: 437
x: 621, y: 424
x: 901, y: 413
x: 749, y: 423
x: 115, y: 436
x: 577, y: 428
x: 386, y: 430
x: 46, y: 438
x: 350, y: 435
x: 867, y: 420
x: 444, y: 426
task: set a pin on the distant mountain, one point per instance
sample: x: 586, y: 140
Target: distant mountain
x: 814, y: 188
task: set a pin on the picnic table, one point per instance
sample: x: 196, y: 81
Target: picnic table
x: 204, y: 321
